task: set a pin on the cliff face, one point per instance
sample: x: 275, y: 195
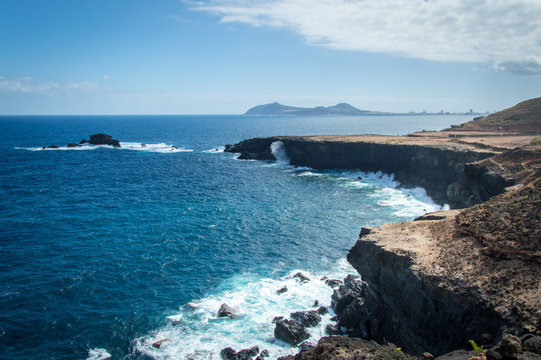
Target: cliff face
x: 441, y: 170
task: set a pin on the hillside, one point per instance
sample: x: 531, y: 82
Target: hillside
x: 525, y: 117
x: 275, y: 108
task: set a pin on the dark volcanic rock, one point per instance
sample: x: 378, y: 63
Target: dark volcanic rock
x: 245, y: 354
x: 532, y: 344
x: 322, y: 310
x: 50, y: 147
x: 509, y: 347
x: 307, y: 318
x: 344, y: 348
x: 333, y: 283
x: 282, y: 290
x: 264, y: 353
x: 352, y: 289
x: 290, y: 331
x: 228, y: 353
x: 103, y: 139
x: 72, y: 145
x: 226, y: 311
x: 303, y: 278
x: 333, y: 330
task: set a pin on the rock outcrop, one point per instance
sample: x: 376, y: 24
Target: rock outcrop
x: 290, y: 331
x: 103, y: 139
x: 439, y: 167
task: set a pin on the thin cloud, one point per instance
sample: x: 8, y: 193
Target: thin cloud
x: 26, y: 85
x: 504, y: 33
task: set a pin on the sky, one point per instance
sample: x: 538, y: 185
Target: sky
x: 225, y: 56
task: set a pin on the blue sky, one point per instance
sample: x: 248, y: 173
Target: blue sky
x: 225, y: 56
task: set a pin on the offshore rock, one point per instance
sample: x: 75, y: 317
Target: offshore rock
x: 303, y: 278
x: 103, y: 139
x: 282, y: 290
x: 307, y: 318
x: 226, y: 311
x: 290, y: 331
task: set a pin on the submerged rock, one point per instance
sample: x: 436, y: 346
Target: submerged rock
x: 159, y: 343
x: 290, y: 331
x: 303, y: 278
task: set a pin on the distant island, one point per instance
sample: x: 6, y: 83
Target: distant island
x: 342, y: 109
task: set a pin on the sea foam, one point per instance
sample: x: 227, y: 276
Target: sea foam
x: 136, y: 146
x: 200, y: 334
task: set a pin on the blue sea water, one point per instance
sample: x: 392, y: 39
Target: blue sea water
x: 105, y: 251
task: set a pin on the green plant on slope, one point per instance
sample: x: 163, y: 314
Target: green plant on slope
x: 480, y: 352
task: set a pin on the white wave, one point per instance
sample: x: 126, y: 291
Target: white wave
x: 202, y: 335
x: 98, y: 354
x: 215, y: 150
x: 279, y: 152
x: 158, y: 148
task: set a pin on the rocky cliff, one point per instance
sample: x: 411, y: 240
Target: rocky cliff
x: 446, y: 170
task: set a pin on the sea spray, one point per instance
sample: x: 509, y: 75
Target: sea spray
x: 200, y: 334
x: 279, y: 152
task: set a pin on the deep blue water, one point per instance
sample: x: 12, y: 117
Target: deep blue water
x: 98, y: 247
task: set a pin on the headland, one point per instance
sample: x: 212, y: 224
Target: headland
x: 470, y: 273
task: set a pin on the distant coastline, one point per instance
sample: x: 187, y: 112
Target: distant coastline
x: 341, y: 109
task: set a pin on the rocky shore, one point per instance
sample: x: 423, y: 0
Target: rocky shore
x: 433, y: 284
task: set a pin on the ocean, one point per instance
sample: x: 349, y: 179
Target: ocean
x: 105, y: 251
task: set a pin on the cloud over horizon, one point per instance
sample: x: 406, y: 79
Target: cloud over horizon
x: 26, y: 85
x: 506, y: 34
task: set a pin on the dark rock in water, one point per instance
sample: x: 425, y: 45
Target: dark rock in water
x: 333, y: 283
x: 493, y: 355
x: 158, y: 343
x: 72, y: 145
x: 306, y: 345
x: 247, y: 354
x: 50, y: 147
x: 323, y: 278
x: 226, y: 311
x: 316, y: 303
x: 301, y: 277
x: 532, y: 344
x: 509, y: 346
x: 322, y: 310
x: 333, y: 330
x: 103, y: 139
x: 290, y: 331
x: 264, y: 353
x: 282, y: 290
x: 352, y: 289
x: 228, y: 353
x: 307, y: 318
x: 277, y: 318
x: 83, y: 141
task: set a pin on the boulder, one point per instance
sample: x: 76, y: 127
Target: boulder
x: 333, y: 283
x: 307, y: 318
x: 264, y: 353
x: 159, y: 343
x: 303, y: 278
x: 333, y: 330
x: 316, y: 303
x: 322, y: 310
x: 290, y: 331
x: 493, y: 355
x: 282, y: 290
x: 103, y: 139
x: 226, y: 311
x: 228, y: 353
x: 247, y: 354
x: 532, y: 344
x: 509, y: 347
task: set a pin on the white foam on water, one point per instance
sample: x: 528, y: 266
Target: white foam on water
x: 215, y: 150
x: 200, y: 334
x: 98, y: 354
x: 157, y: 148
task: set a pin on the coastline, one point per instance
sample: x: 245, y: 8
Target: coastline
x: 447, y: 277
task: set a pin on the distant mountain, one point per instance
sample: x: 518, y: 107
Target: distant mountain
x: 279, y: 109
